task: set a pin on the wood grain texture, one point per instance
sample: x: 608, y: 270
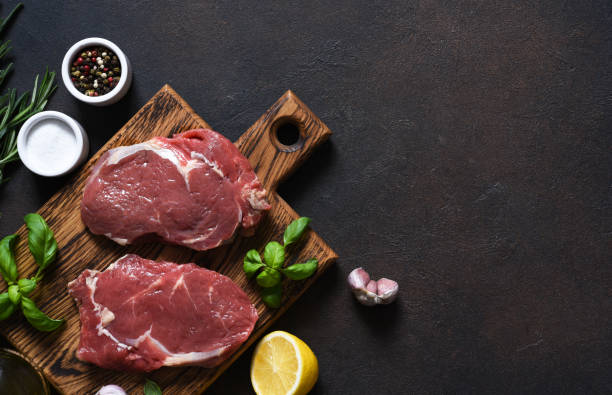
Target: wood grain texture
x: 165, y: 114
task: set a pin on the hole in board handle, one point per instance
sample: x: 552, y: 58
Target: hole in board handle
x: 287, y: 135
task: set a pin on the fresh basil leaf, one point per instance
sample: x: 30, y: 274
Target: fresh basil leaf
x: 8, y: 267
x: 151, y: 388
x: 26, y: 285
x: 274, y: 254
x: 6, y: 306
x: 272, y: 296
x: 268, y: 277
x: 252, y: 263
x: 14, y: 295
x: 40, y: 239
x: 295, y: 230
x: 37, y: 318
x: 300, y: 271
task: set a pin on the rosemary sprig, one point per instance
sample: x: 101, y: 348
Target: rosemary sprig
x: 14, y: 110
x: 4, y: 47
x: 4, y: 21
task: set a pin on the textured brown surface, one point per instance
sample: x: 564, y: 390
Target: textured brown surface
x: 470, y: 162
x: 165, y: 114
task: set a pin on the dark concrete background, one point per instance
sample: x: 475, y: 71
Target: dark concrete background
x: 470, y: 162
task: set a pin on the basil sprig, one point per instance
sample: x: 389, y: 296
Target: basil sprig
x: 274, y: 254
x: 6, y: 306
x: 272, y: 296
x: 44, y: 249
x: 252, y: 263
x: 271, y: 269
x: 40, y: 240
x: 37, y: 318
x: 269, y: 277
x: 8, y: 267
x: 300, y: 271
x: 151, y: 388
x: 295, y: 230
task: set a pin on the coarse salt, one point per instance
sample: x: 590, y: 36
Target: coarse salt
x: 51, y: 145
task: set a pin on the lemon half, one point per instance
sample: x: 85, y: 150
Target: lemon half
x: 283, y: 365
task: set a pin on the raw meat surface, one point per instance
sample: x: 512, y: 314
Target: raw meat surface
x: 194, y: 189
x: 139, y: 315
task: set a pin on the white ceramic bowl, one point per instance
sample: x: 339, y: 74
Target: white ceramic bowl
x: 52, y: 144
x: 116, y: 93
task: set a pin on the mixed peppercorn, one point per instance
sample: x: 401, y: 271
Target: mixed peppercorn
x: 95, y: 71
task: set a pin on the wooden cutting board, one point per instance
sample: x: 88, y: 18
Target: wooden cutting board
x: 165, y: 114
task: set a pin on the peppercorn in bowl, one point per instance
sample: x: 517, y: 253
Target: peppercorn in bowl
x: 96, y: 71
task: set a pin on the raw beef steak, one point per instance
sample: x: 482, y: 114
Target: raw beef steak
x: 139, y: 315
x: 194, y: 189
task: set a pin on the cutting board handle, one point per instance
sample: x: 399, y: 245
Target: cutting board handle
x: 272, y: 160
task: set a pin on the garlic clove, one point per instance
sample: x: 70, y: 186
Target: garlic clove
x: 372, y: 287
x: 358, y: 278
x: 111, y: 389
x: 365, y: 297
x: 387, y: 290
x: 369, y: 292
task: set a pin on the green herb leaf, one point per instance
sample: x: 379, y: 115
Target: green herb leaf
x: 295, y: 230
x: 252, y: 263
x: 15, y: 111
x: 26, y: 285
x: 269, y: 277
x: 4, y: 21
x: 37, y: 318
x: 274, y: 254
x: 8, y: 267
x: 151, y: 388
x: 272, y: 296
x: 6, y: 306
x: 40, y: 239
x: 9, y: 67
x: 300, y: 271
x: 14, y: 295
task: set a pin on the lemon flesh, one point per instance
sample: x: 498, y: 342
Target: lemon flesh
x: 283, y: 365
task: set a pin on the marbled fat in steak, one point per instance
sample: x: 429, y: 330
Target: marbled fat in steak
x: 139, y: 315
x: 195, y: 190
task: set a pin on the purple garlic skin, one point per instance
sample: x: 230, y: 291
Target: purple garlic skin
x: 359, y: 278
x: 369, y: 292
x: 372, y: 286
x: 111, y: 389
x: 386, y: 290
